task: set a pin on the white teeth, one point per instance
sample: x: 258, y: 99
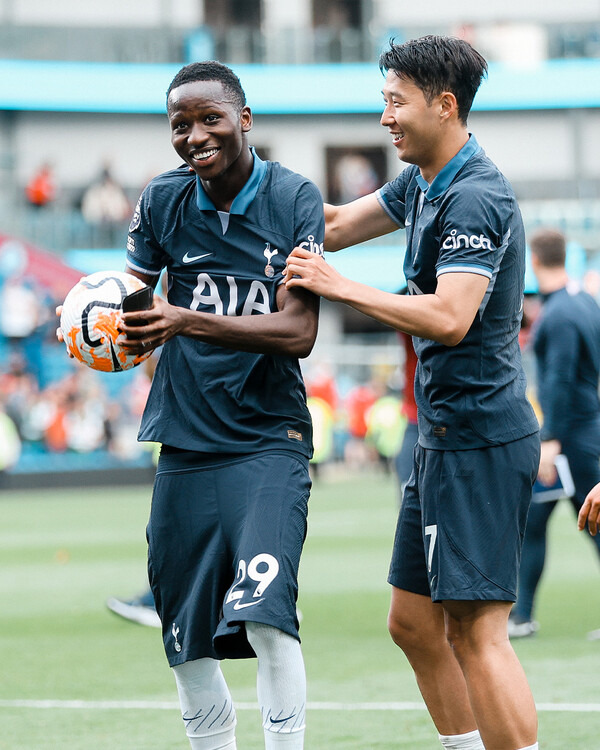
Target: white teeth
x: 203, y: 155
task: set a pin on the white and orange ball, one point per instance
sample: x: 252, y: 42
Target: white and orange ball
x: 90, y: 317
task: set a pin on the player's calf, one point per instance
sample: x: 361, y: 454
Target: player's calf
x: 206, y: 705
x: 281, y: 686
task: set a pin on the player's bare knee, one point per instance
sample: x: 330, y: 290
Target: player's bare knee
x: 463, y: 641
x: 404, y: 632
x: 455, y: 641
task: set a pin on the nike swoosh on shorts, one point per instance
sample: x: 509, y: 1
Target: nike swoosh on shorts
x: 239, y: 605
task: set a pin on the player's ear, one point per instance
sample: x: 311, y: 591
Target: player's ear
x: 448, y: 105
x: 246, y: 119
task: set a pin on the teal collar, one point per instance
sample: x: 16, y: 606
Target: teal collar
x: 246, y: 195
x: 443, y: 179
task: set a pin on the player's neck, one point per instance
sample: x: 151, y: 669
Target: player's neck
x: 552, y: 279
x: 222, y: 190
x: 454, y: 139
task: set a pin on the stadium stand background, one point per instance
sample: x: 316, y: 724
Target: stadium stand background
x: 82, y: 85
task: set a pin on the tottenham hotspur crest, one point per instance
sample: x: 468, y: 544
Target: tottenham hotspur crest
x: 268, y: 253
x: 175, y: 633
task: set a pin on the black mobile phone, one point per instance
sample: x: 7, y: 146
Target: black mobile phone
x: 139, y: 300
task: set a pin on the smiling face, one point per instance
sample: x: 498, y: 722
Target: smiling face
x: 416, y: 125
x: 208, y: 130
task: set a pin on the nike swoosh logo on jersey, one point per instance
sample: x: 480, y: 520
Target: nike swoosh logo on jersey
x: 190, y: 259
x: 239, y: 605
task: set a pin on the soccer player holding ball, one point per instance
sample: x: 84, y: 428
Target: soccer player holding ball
x: 228, y: 405
x: 458, y: 540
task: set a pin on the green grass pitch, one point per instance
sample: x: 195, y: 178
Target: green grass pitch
x: 75, y: 677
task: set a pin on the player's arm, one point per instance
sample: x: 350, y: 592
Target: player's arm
x: 560, y: 362
x: 291, y: 330
x: 590, y: 511
x: 352, y: 223
x: 561, y: 357
x: 444, y: 316
x: 149, y: 279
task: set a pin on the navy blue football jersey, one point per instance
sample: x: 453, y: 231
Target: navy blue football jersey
x: 467, y: 220
x: 205, y: 397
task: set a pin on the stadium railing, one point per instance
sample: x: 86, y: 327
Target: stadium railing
x: 237, y: 44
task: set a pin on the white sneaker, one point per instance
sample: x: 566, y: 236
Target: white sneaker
x: 134, y: 611
x: 522, y: 629
x: 593, y: 635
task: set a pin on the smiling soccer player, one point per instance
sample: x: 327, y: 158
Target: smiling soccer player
x: 228, y: 404
x: 458, y: 540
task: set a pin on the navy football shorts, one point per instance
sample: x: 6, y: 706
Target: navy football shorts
x: 462, y: 521
x: 224, y: 542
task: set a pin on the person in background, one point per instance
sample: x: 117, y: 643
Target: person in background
x: 566, y: 343
x: 358, y: 402
x: 140, y: 609
x: 40, y: 191
x: 105, y: 205
x: 10, y: 442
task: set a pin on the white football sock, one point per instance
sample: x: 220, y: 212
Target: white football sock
x: 468, y: 741
x: 535, y: 746
x: 281, y: 686
x: 206, y: 706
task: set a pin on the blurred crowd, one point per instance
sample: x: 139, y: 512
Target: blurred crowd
x: 50, y: 404
x: 103, y: 207
x: 73, y: 413
x: 356, y: 422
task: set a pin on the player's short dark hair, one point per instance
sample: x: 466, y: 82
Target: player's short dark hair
x: 550, y: 247
x: 211, y: 70
x: 436, y: 64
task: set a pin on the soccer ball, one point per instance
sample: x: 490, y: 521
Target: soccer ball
x: 90, y: 317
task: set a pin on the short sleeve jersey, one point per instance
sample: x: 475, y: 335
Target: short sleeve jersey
x: 467, y: 220
x: 209, y: 398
